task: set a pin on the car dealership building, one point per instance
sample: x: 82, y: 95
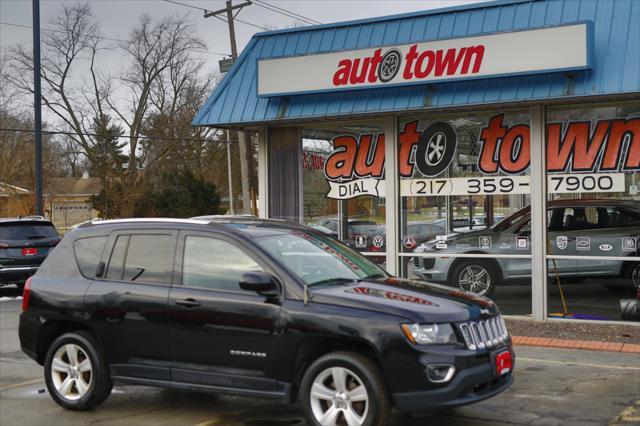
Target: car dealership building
x: 493, y: 143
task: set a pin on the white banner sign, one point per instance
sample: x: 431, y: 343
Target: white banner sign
x: 556, y: 184
x: 521, y: 52
x: 355, y: 188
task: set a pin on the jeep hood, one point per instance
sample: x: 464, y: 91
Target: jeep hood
x: 413, y: 300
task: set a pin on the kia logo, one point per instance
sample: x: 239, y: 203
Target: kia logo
x: 606, y: 247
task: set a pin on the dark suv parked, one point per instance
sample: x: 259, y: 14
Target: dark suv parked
x: 24, y: 244
x: 261, y: 308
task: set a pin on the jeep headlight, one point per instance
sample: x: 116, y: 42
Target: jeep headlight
x: 428, y: 334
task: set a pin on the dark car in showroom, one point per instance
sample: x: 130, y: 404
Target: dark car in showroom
x: 575, y: 227
x: 24, y: 244
x: 259, y: 308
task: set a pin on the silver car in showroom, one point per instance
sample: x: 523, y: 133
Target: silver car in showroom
x: 575, y: 227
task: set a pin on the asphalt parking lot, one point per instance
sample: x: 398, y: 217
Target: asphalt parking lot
x: 553, y: 387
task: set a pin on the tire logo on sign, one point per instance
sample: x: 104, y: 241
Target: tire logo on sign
x: 562, y: 242
x: 377, y: 241
x: 436, y: 149
x: 390, y: 65
x: 605, y: 247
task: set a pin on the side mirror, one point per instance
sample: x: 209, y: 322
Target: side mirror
x: 260, y: 282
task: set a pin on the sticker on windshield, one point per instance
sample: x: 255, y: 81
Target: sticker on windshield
x: 377, y: 241
x: 361, y: 241
x: 485, y: 242
x: 583, y: 243
x: 562, y: 241
x: 628, y: 244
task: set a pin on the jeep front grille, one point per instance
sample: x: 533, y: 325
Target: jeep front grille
x: 484, y: 334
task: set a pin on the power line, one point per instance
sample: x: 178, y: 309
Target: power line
x: 161, y: 138
x: 51, y: 30
x: 218, y: 17
x: 283, y: 11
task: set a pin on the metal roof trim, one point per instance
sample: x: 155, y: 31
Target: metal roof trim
x: 223, y: 84
x: 406, y: 15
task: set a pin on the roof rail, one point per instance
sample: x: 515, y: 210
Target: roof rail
x: 97, y: 222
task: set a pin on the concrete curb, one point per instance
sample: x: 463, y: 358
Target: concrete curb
x: 588, y: 345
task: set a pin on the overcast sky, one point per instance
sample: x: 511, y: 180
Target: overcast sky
x: 117, y: 17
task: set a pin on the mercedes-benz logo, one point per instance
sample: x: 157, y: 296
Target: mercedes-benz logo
x: 389, y: 66
x: 435, y: 148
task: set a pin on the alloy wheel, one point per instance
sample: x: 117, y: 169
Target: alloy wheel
x: 339, y: 397
x: 71, y: 371
x: 475, y: 278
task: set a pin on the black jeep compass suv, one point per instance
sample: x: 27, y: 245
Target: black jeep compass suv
x: 253, y: 307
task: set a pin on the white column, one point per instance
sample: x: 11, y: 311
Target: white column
x: 263, y: 175
x: 392, y: 192
x: 538, y: 213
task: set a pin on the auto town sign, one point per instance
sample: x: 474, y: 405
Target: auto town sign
x: 581, y: 157
x: 548, y: 49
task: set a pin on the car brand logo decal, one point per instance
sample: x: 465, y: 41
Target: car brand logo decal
x: 361, y: 241
x: 389, y: 66
x: 562, y: 241
x: 409, y: 241
x: 628, y: 244
x: 605, y: 247
x: 505, y: 246
x: 522, y: 243
x: 583, y: 243
x: 485, y: 242
x: 378, y: 241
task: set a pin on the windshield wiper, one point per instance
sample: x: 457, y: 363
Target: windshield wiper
x: 372, y: 277
x: 332, y: 281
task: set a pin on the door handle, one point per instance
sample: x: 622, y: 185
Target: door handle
x: 188, y: 303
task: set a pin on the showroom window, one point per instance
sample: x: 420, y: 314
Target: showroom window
x: 464, y: 204
x: 343, y: 185
x: 593, y: 173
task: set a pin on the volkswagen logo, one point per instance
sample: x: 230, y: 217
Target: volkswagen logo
x: 389, y: 65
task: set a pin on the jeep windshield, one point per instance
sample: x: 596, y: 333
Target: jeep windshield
x: 318, y: 260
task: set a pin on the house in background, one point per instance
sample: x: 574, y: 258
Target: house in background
x: 15, y: 201
x: 68, y: 200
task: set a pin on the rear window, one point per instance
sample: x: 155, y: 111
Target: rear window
x: 27, y: 231
x: 88, y: 252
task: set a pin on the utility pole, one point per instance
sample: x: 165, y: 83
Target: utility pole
x: 37, y: 106
x: 242, y: 136
x: 230, y: 175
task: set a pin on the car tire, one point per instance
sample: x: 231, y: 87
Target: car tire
x: 76, y: 373
x: 479, y: 276
x: 325, y: 402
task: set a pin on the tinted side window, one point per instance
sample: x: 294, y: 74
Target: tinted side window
x: 88, y: 252
x: 116, y: 263
x: 214, y: 264
x: 149, y: 259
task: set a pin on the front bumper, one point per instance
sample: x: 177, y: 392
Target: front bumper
x: 467, y: 386
x: 432, y: 269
